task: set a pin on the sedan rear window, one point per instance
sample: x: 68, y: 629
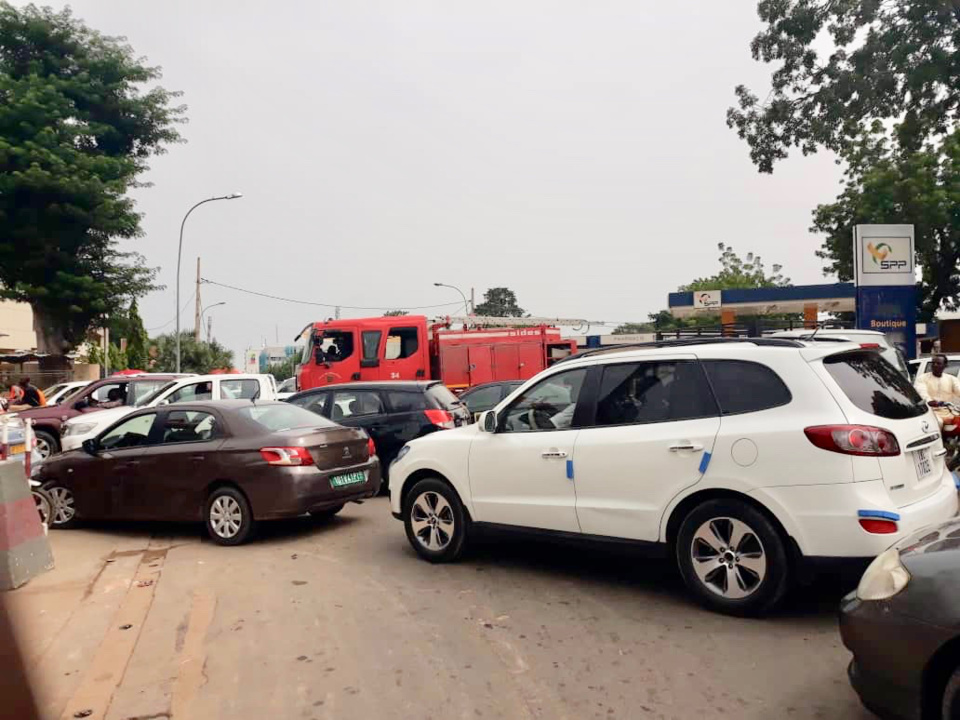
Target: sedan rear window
x: 444, y: 398
x: 874, y: 385
x: 283, y: 417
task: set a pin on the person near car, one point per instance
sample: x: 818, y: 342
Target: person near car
x: 30, y: 396
x: 937, y: 387
x: 114, y: 399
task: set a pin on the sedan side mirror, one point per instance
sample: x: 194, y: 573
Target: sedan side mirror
x: 488, y: 422
x: 91, y: 447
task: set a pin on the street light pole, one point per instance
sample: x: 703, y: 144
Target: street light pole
x: 231, y: 196
x: 466, y: 308
x: 202, y: 312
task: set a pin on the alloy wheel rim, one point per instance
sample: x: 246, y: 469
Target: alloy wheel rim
x: 43, y: 507
x: 43, y: 447
x: 728, y: 558
x: 431, y: 518
x: 226, y: 517
x: 63, y: 505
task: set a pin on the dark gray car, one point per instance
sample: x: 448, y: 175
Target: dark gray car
x: 903, y: 627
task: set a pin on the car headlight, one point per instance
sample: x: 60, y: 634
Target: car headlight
x: 79, y: 428
x: 884, y: 578
x: 403, y: 451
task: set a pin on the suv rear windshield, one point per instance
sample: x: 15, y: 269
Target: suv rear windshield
x: 874, y: 385
x: 443, y: 397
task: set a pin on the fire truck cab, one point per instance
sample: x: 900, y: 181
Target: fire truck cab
x: 405, y: 348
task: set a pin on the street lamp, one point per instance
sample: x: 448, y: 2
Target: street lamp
x: 231, y: 196
x: 209, y: 307
x: 466, y: 309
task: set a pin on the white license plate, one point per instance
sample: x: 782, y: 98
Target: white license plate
x: 924, y: 463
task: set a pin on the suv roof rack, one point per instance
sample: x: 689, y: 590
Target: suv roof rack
x: 684, y: 342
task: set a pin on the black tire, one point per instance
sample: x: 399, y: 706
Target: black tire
x: 437, y: 525
x: 228, y: 516
x: 49, y: 440
x: 950, y: 707
x: 754, y: 575
x: 326, y: 513
x: 63, y: 503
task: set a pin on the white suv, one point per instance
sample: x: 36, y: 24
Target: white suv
x: 745, y: 460
x: 192, y: 388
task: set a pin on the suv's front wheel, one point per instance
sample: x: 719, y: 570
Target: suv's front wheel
x: 732, y: 557
x: 435, y: 521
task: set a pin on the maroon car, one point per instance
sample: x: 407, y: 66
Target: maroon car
x: 110, y: 392
x: 229, y: 463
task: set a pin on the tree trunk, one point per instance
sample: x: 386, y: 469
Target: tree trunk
x: 50, y: 341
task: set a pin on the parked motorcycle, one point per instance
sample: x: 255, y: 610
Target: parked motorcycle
x: 951, y: 435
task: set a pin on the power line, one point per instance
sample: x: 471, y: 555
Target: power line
x: 330, y: 305
x: 183, y: 309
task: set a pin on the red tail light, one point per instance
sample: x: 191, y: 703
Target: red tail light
x: 854, y: 440
x: 878, y: 527
x: 440, y: 418
x: 371, y: 448
x: 870, y: 346
x: 287, y: 455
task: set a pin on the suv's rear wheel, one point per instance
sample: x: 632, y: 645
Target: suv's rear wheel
x: 47, y: 444
x: 732, y: 558
x: 435, y: 521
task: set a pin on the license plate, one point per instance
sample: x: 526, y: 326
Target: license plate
x: 923, y: 462
x: 353, y: 478
x: 18, y: 449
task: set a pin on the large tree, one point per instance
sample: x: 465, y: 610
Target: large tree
x: 195, y: 356
x: 499, y: 302
x: 80, y: 115
x: 841, y: 65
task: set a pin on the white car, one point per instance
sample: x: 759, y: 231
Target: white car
x: 746, y: 461
x: 921, y: 366
x: 287, y: 388
x: 55, y: 394
x: 187, y: 389
x: 864, y: 338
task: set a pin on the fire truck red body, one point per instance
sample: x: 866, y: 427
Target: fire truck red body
x: 406, y: 348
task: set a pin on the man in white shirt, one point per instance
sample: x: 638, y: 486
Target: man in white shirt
x: 937, y: 387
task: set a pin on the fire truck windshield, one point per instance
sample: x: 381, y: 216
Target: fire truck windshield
x: 330, y: 346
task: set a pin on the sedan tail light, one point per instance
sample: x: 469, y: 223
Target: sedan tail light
x: 854, y: 440
x: 287, y: 455
x: 440, y: 418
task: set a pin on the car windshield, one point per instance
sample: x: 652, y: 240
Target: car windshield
x: 874, y: 385
x: 145, y: 400
x: 283, y: 417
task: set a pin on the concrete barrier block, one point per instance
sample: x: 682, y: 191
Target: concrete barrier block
x: 24, y: 548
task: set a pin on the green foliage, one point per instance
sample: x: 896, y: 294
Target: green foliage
x: 80, y: 115
x: 633, y: 328
x: 283, y: 370
x: 195, y: 357
x: 886, y: 184
x: 841, y: 65
x: 94, y: 356
x: 736, y: 272
x: 500, y: 302
x: 395, y: 313
x: 136, y: 338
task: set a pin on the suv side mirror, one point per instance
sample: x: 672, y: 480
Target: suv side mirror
x: 91, y: 446
x: 488, y: 422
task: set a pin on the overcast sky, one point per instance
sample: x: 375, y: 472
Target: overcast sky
x: 576, y: 152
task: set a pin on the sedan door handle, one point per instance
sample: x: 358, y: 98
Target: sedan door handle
x: 548, y: 454
x: 677, y: 447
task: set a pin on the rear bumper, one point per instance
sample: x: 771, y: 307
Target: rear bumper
x: 823, y: 518
x: 305, y: 489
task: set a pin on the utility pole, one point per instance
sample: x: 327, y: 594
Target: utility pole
x: 336, y: 313
x: 196, y: 312
x: 473, y: 304
x: 209, y: 327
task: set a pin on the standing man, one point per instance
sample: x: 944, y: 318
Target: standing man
x: 937, y: 387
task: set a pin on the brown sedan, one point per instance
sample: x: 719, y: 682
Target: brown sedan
x: 229, y: 463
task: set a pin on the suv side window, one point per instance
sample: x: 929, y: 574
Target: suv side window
x: 742, y: 387
x: 192, y: 393
x: 548, y: 405
x: 355, y: 403
x: 650, y: 392
x: 239, y: 389
x: 313, y: 402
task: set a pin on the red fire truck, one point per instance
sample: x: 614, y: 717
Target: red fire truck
x: 407, y: 348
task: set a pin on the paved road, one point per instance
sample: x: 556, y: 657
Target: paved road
x: 342, y: 620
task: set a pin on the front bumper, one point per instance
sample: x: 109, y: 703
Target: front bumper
x: 306, y: 489
x: 890, y: 651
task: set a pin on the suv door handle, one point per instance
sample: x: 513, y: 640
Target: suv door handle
x: 677, y: 447
x: 548, y: 454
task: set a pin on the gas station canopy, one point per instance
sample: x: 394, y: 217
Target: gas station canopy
x: 835, y: 297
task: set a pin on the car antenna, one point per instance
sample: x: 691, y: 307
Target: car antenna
x: 815, y: 331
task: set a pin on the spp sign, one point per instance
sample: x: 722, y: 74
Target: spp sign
x: 886, y: 255
x: 706, y: 299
